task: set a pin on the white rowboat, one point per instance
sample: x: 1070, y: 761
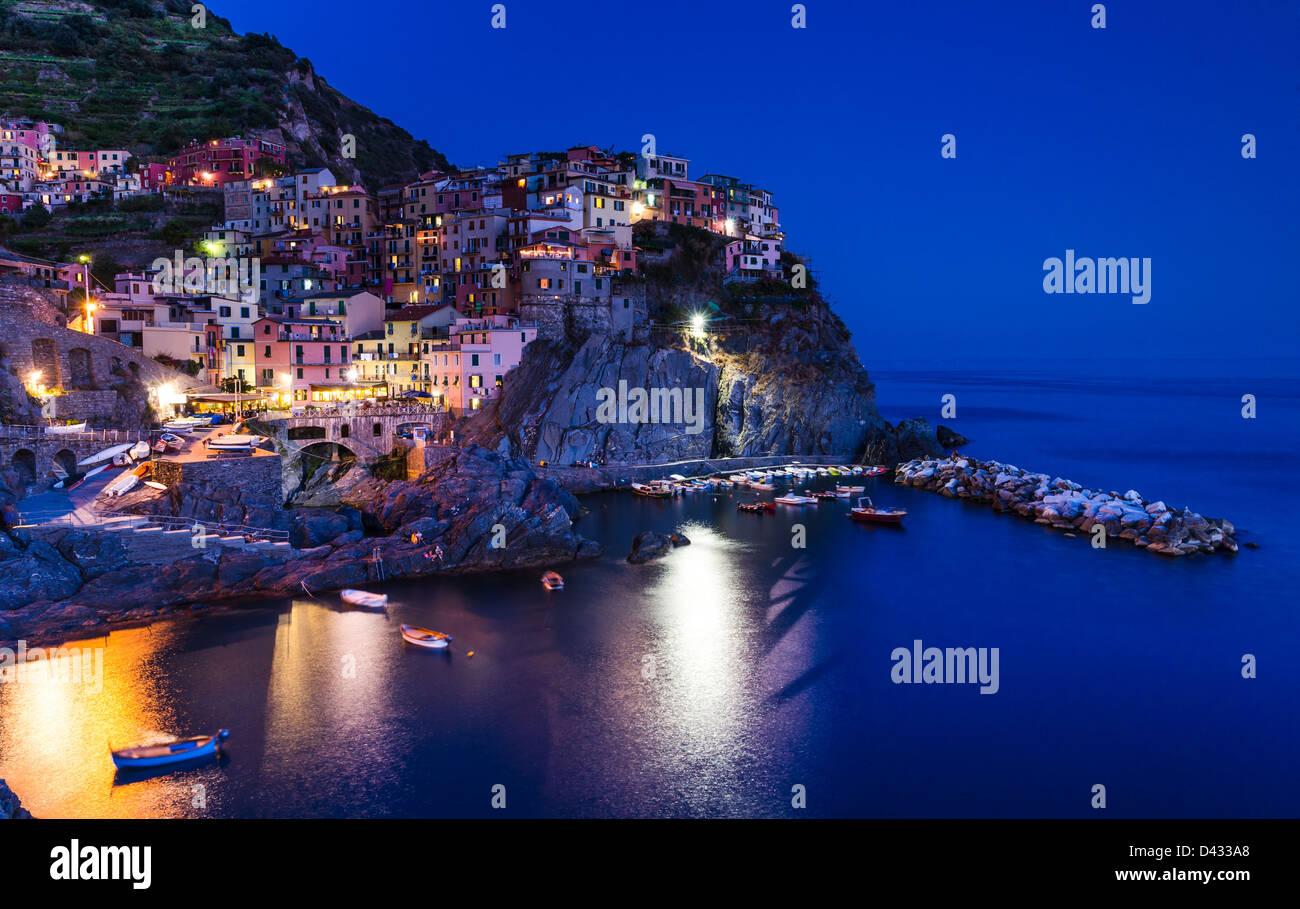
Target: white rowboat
x: 365, y: 599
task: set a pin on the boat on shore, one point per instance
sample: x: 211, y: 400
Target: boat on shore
x: 234, y: 443
x: 425, y: 637
x: 108, y: 454
x: 877, y: 471
x: 364, y: 599
x: 171, y: 752
x: 140, y: 450
x: 870, y: 514
x: 551, y: 580
x: 656, y: 489
x: 126, y: 481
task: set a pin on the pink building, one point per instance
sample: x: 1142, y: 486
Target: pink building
x: 469, y: 368
x: 300, y: 354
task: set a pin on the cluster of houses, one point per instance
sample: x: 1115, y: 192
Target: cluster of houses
x: 35, y: 170
x: 429, y: 289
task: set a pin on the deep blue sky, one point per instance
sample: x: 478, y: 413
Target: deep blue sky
x: 1117, y: 142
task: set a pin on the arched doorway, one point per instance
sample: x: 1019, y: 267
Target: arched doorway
x: 24, y: 464
x: 67, y: 461
x: 323, y: 461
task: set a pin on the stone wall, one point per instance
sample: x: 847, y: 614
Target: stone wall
x: 621, y: 314
x: 76, y: 406
x: 70, y: 359
x: 257, y: 478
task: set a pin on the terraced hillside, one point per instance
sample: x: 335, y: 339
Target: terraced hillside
x: 137, y: 74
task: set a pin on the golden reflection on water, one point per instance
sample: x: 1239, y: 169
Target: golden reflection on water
x: 330, y: 670
x: 57, y: 730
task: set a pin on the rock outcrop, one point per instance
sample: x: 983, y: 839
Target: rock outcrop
x: 1066, y: 505
x: 474, y: 511
x: 10, y: 807
x: 774, y: 398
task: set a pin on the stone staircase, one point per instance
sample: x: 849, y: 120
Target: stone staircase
x: 153, y: 543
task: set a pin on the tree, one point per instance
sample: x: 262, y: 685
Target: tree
x: 235, y: 385
x: 36, y: 217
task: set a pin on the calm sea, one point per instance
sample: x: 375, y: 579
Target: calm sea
x: 742, y: 670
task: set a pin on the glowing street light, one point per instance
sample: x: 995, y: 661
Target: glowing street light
x: 90, y: 307
x: 697, y: 325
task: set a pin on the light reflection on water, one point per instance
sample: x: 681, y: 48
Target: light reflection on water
x: 770, y: 668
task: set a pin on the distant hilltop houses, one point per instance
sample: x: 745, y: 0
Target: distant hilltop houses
x: 313, y: 291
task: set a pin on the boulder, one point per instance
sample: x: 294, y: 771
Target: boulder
x: 649, y: 545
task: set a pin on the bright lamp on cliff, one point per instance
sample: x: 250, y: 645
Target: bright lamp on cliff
x: 697, y: 324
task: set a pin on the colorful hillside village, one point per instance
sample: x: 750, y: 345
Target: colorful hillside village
x: 427, y: 290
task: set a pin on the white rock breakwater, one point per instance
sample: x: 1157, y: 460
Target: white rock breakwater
x: 1066, y: 505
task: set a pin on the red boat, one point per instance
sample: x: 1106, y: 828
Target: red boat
x: 877, y: 471
x: 870, y: 514
x: 757, y: 507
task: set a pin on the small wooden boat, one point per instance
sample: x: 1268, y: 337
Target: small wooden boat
x: 140, y: 450
x: 870, y: 514
x: 877, y: 471
x: 849, y: 489
x: 551, y: 580
x: 66, y: 429
x: 791, y: 499
x: 827, y: 495
x: 425, y: 637
x: 171, y: 752
x: 652, y: 491
x: 364, y: 599
x: 756, y: 507
x: 762, y: 487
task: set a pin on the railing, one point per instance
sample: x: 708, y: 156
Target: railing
x: 360, y: 410
x: 93, y: 435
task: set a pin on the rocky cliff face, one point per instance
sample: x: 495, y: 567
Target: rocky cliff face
x: 778, y: 387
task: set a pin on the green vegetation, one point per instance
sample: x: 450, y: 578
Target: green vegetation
x: 136, y: 74
x: 189, y: 367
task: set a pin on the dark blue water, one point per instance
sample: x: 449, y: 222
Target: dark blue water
x: 712, y: 682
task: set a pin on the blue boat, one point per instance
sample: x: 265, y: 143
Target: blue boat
x: 171, y: 752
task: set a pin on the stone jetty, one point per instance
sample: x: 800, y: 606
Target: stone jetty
x: 1066, y: 505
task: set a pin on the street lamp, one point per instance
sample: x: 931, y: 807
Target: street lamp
x: 90, y: 307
